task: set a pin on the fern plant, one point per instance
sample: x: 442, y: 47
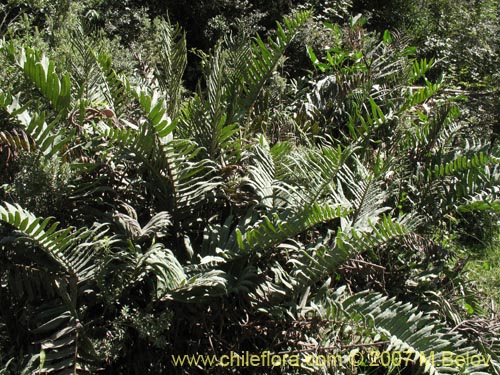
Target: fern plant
x: 190, y: 228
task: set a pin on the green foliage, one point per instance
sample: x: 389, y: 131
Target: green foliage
x: 140, y: 220
x: 41, y: 184
x: 408, y: 331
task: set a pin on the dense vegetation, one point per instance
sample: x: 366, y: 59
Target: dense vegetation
x: 195, y: 179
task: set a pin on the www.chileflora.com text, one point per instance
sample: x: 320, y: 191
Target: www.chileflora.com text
x: 355, y: 358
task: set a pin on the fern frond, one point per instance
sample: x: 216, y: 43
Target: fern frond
x: 484, y: 200
x: 65, y: 350
x: 323, y: 259
x: 261, y: 178
x: 201, y: 287
x: 183, y: 181
x: 251, y: 66
x: 419, y: 95
x: 363, y: 190
x: 64, y: 345
x: 88, y: 77
x: 42, y: 73
x: 72, y: 250
x: 461, y: 164
x: 271, y: 191
x: 154, y: 107
x: 156, y: 225
x: 16, y: 140
x: 173, y: 61
x: 165, y: 267
x: 316, y: 172
x: 36, y: 134
x: 430, y: 133
x: 205, y: 117
x: 411, y: 331
x: 382, y: 232
x: 116, y: 93
x: 273, y: 230
x: 265, y: 58
x: 469, y: 186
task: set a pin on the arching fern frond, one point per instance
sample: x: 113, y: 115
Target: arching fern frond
x: 202, y: 287
x: 67, y: 263
x: 273, y: 230
x: 461, y: 164
x: 89, y: 80
x: 116, y: 93
x: 363, y: 190
x: 320, y: 260
x: 165, y: 267
x: 272, y: 192
x: 487, y: 199
x: 316, y: 172
x: 71, y: 250
x: 16, y: 140
x: 468, y: 185
x: 156, y: 226
x: 425, y: 340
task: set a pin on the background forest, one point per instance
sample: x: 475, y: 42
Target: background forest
x: 206, y: 177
